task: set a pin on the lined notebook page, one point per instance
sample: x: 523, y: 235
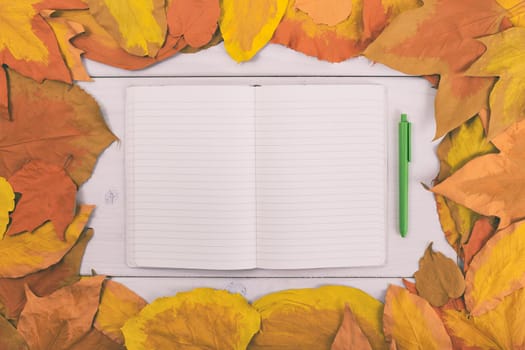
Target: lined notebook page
x: 321, y: 176
x: 190, y: 177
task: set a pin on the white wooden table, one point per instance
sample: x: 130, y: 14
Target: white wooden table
x: 274, y: 65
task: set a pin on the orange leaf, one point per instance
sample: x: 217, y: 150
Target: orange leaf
x: 412, y: 323
x: 99, y: 45
x: 47, y: 193
x: 10, y: 339
x: 346, y: 39
x: 412, y: 45
x: 34, y: 251
x: 62, y: 318
x: 45, y: 282
x: 329, y: 12
x: 487, y: 184
x: 195, y: 20
x: 483, y: 230
x: 118, y: 304
x: 96, y: 340
x: 350, y: 336
x: 55, y: 123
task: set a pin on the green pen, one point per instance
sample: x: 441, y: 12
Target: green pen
x: 404, y: 159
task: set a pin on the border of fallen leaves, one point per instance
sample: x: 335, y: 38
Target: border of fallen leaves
x: 477, y: 303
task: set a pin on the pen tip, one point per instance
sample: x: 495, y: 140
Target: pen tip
x: 403, y: 117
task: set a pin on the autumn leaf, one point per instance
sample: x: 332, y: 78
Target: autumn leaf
x: 34, y: 251
x: 412, y: 44
x: 10, y: 339
x: 118, y: 304
x: 55, y: 123
x: 95, y: 340
x: 99, y: 45
x: 27, y: 43
x: 201, y: 319
x: 45, y: 282
x: 504, y: 58
x: 482, y: 231
x: 349, y: 336
x: 310, y: 318
x: 438, y: 278
x: 410, y: 321
x: 497, y: 270
x: 331, y: 12
x: 65, y: 31
x: 346, y: 39
x: 488, y: 184
x: 516, y: 11
x: 501, y: 328
x: 247, y: 26
x: 7, y: 204
x: 195, y: 20
x: 138, y: 26
x: 66, y: 315
x: 47, y: 193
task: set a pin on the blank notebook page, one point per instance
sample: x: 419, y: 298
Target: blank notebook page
x: 190, y: 177
x: 321, y: 176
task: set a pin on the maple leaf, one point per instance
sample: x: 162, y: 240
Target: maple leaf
x: 492, y: 184
x: 55, y: 123
x: 331, y: 12
x: 504, y: 58
x: 10, y: 339
x: 138, y: 26
x: 96, y: 340
x: 99, y: 45
x: 202, y: 318
x: 62, y: 318
x: 309, y: 318
x: 44, y: 282
x: 343, y: 40
x: 7, y: 204
x: 28, y: 45
x: 482, y: 231
x: 47, y: 193
x: 438, y: 38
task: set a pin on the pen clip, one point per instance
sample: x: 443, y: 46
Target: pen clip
x: 409, y: 142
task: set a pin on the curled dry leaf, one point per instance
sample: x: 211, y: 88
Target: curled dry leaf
x: 412, y: 45
x: 410, y: 321
x: 500, y: 328
x: 118, y: 304
x: 504, y: 58
x: 10, y: 339
x: 47, y: 193
x: 346, y: 39
x: 329, y: 12
x: 30, y: 252
x: 497, y: 270
x: 138, y: 26
x: 7, y: 204
x: 309, y: 318
x: 28, y: 45
x: 201, y: 319
x: 487, y: 184
x: 350, y: 336
x: 438, y: 278
x: 247, y: 26
x: 195, y: 20
x: 45, y: 282
x: 66, y: 315
x: 55, y: 123
x: 99, y: 45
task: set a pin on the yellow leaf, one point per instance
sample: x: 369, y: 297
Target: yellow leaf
x: 497, y: 270
x: 516, y: 11
x: 501, y: 328
x: 118, y: 304
x: 33, y: 251
x: 411, y: 322
x: 138, y: 25
x: 309, y: 318
x: 247, y: 26
x: 7, y: 204
x: 199, y: 319
x: 438, y: 278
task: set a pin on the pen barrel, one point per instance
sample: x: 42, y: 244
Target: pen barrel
x: 404, y: 135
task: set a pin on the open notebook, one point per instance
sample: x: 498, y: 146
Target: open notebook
x: 239, y: 177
